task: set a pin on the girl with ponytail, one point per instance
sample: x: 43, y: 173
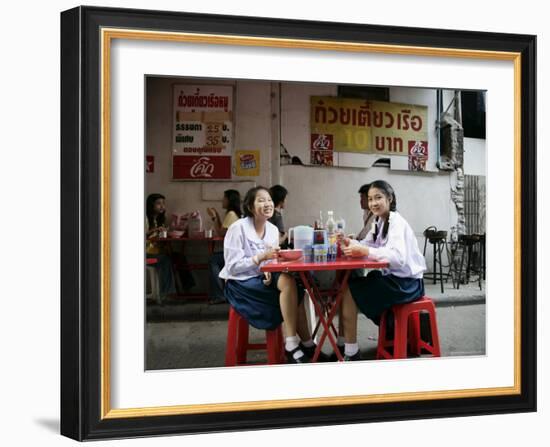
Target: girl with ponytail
x: 391, y: 239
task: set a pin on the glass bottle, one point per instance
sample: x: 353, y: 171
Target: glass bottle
x: 319, y: 223
x: 331, y: 224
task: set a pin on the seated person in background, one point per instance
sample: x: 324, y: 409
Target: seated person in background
x: 264, y: 300
x: 278, y: 194
x: 368, y: 216
x: 368, y: 219
x: 232, y: 206
x: 155, y: 221
x: 391, y: 239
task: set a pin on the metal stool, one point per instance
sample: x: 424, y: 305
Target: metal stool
x: 482, y: 254
x: 468, y: 241
x: 438, y: 239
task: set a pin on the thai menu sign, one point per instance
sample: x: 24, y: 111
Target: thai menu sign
x: 361, y: 126
x: 202, y: 141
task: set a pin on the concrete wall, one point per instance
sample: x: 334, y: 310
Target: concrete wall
x: 423, y: 199
x: 475, y: 154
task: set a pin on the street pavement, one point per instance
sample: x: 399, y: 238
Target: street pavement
x: 187, y: 334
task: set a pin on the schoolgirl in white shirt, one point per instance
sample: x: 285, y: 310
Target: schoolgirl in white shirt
x: 265, y: 300
x: 391, y: 239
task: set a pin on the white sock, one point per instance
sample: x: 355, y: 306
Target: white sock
x: 350, y: 349
x: 292, y: 343
x: 309, y: 343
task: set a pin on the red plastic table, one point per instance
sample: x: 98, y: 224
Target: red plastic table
x: 343, y: 266
x: 211, y: 242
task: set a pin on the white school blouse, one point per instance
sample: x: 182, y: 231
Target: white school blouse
x: 241, y: 243
x: 399, y: 248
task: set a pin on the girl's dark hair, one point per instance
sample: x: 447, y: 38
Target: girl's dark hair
x: 233, y: 201
x: 278, y: 194
x: 388, y: 191
x: 151, y: 199
x: 248, y: 202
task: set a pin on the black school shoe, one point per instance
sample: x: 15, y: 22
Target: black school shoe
x: 290, y: 356
x: 353, y: 358
x: 333, y: 357
x: 310, y: 352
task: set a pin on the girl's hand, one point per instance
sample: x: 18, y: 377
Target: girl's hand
x: 356, y: 250
x: 343, y: 240
x: 270, y: 253
x: 267, y: 278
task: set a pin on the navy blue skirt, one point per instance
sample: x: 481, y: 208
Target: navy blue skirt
x: 256, y: 302
x: 376, y: 293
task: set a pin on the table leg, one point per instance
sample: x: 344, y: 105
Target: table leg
x: 331, y: 316
x: 325, y: 303
x: 315, y: 302
x: 316, y: 299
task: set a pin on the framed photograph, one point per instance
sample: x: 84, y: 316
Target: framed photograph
x: 166, y: 116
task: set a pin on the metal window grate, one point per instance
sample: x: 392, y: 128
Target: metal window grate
x: 474, y: 212
x: 474, y: 204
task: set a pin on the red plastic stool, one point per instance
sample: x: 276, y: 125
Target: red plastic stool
x: 237, y: 342
x: 407, y: 330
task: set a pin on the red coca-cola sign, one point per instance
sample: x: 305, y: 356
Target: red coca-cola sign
x: 201, y: 167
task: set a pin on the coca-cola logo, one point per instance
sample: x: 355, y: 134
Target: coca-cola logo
x: 247, y: 157
x: 418, y: 149
x: 203, y: 167
x: 321, y: 142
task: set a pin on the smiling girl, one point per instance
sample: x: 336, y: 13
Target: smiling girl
x: 390, y: 239
x: 264, y: 300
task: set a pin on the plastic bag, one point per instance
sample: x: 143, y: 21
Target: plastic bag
x: 194, y: 225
